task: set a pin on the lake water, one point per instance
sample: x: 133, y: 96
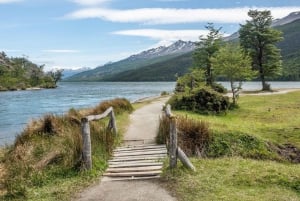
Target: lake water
x: 17, y: 108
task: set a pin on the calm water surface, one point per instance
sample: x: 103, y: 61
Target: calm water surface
x: 19, y: 107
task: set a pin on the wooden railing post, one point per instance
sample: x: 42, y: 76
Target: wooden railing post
x: 86, y: 148
x: 112, y: 122
x: 173, y: 143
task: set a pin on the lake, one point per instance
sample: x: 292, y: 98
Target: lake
x: 17, y: 108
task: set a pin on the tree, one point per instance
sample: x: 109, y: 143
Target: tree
x: 231, y: 62
x: 259, y: 39
x: 56, y: 75
x: 206, y: 48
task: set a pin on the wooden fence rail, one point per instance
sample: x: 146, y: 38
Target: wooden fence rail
x: 86, y: 134
x: 175, y: 151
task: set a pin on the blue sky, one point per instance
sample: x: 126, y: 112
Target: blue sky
x: 89, y: 33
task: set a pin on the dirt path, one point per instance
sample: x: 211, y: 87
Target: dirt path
x: 142, y: 129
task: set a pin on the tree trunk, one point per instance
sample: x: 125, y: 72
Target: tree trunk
x: 233, y: 93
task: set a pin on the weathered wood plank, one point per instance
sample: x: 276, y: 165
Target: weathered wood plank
x: 134, y: 169
x: 120, y: 165
x: 139, y: 150
x: 138, y: 158
x: 105, y: 178
x: 133, y: 174
x: 139, y: 147
x: 86, y: 144
x: 100, y: 116
x: 137, y: 153
x: 185, y: 160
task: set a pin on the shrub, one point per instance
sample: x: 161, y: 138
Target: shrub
x: 202, y: 100
x: 119, y: 104
x: 193, y: 135
x: 219, y: 88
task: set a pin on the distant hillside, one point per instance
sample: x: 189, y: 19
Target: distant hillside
x: 20, y: 73
x: 162, y: 71
x: 290, y: 50
x: 134, y: 62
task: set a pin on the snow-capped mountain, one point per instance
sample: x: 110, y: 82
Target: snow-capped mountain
x: 178, y: 47
x: 288, y: 19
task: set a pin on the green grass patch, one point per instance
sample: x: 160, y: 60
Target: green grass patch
x: 235, y: 179
x: 256, y: 127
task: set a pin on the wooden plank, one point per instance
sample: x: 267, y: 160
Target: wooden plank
x: 106, y: 178
x: 138, y: 158
x: 139, y: 147
x: 140, y: 153
x: 100, y: 116
x: 133, y: 174
x: 185, y: 160
x: 141, y: 156
x: 135, y: 169
x: 134, y: 164
x: 142, y: 149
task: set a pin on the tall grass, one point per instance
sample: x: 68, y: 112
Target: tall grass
x: 50, y: 148
x: 193, y: 135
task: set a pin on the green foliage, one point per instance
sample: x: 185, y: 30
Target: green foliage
x: 20, y: 73
x: 259, y: 40
x: 206, y: 48
x: 219, y: 88
x: 189, y: 81
x: 201, y: 100
x: 231, y: 63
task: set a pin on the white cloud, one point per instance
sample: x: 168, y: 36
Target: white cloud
x: 8, y: 1
x: 174, y: 16
x: 90, y: 2
x: 164, y: 35
x: 9, y: 50
x: 61, y: 51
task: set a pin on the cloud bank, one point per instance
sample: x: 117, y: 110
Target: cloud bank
x: 8, y: 1
x: 152, y: 16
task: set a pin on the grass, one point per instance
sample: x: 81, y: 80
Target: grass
x: 247, y: 158
x: 272, y: 118
x: 48, y: 154
x: 235, y: 179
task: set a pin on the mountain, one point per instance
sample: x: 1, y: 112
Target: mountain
x: 143, y: 59
x: 70, y: 72
x: 163, y: 63
x: 286, y: 20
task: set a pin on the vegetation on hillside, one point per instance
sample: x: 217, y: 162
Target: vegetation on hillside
x: 20, y: 74
x: 48, y: 153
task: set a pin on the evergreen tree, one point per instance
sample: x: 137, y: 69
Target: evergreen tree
x: 206, y: 48
x: 259, y: 39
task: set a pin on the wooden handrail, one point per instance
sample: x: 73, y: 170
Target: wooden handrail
x: 86, y: 134
x: 174, y: 150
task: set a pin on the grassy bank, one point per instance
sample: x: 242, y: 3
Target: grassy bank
x: 253, y: 154
x: 44, y: 163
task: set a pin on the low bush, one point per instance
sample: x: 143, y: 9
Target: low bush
x: 193, y: 135
x: 119, y: 104
x: 219, y: 88
x: 202, y: 100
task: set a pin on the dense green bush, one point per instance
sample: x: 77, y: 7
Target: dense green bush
x: 219, y: 88
x: 202, y: 100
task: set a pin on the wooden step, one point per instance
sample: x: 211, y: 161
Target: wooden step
x: 140, y: 150
x: 136, y: 153
x: 137, y: 158
x: 133, y: 174
x: 137, y: 147
x: 135, y: 164
x: 105, y: 178
x: 134, y: 169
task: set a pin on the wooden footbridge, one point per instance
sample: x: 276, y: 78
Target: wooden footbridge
x: 135, y: 161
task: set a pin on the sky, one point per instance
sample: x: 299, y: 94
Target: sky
x: 71, y: 34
